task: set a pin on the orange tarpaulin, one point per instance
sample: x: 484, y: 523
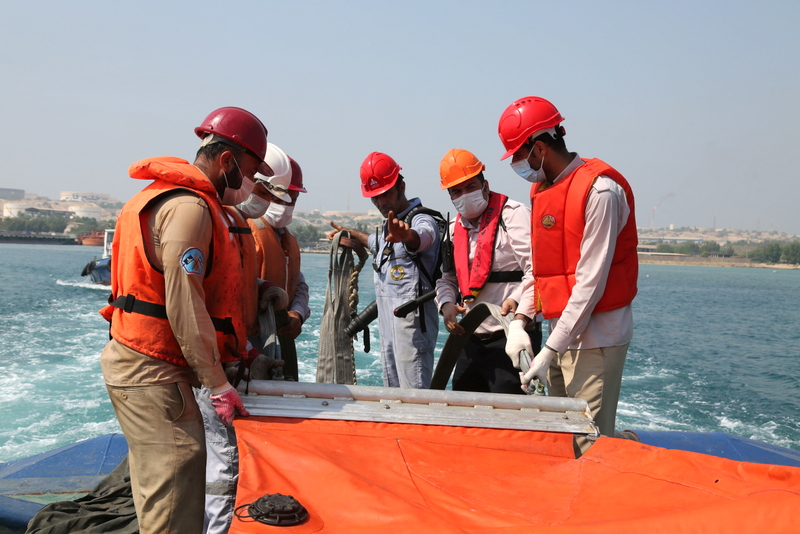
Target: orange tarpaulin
x: 362, y: 477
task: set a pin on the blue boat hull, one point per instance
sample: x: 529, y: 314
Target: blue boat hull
x: 99, y: 271
x: 68, y: 470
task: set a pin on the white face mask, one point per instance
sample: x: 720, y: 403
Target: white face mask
x: 523, y: 168
x: 471, y: 205
x: 279, y: 215
x: 232, y: 197
x: 254, y: 207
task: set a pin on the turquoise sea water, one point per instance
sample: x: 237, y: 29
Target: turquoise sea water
x: 714, y: 349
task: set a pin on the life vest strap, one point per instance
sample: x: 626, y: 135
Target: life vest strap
x: 499, y: 277
x: 130, y: 304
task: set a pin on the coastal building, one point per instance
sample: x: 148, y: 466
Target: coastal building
x: 12, y: 194
x: 77, y: 196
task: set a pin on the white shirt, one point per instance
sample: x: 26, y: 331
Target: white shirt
x: 512, y: 253
x: 607, y: 211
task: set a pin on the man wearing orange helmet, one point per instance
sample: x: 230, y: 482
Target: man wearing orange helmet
x: 406, y: 263
x: 491, y: 251
x: 177, y: 313
x: 585, y: 265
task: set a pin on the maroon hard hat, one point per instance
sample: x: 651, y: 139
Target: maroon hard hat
x: 297, y: 177
x: 237, y: 125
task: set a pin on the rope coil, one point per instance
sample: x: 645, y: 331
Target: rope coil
x: 336, y: 357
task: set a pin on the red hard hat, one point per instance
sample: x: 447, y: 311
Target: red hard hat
x: 524, y: 118
x: 297, y: 177
x: 379, y: 173
x: 237, y: 125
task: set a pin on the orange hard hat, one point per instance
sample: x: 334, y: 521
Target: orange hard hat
x: 457, y: 166
x: 379, y: 173
x: 524, y: 118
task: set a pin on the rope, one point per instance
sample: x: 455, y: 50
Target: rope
x: 336, y: 357
x: 455, y: 343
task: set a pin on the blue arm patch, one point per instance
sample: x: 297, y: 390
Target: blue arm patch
x: 193, y: 261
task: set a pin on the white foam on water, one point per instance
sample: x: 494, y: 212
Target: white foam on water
x: 85, y: 285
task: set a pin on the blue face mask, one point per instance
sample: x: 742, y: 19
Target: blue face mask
x: 523, y: 168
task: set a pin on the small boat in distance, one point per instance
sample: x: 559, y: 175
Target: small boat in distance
x: 100, y: 269
x: 94, y: 239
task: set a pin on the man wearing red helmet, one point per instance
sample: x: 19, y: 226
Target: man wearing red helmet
x: 585, y: 266
x: 177, y: 313
x: 406, y: 262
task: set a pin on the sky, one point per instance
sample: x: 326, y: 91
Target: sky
x: 696, y: 103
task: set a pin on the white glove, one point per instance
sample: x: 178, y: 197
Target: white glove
x: 517, y: 340
x: 538, y: 368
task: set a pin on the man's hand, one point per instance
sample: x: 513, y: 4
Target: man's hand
x: 449, y: 312
x: 517, y: 341
x: 293, y: 328
x: 336, y: 229
x: 539, y: 366
x: 274, y: 295
x: 398, y: 231
x: 227, y: 402
x: 509, y: 306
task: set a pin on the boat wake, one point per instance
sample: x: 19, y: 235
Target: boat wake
x: 87, y: 285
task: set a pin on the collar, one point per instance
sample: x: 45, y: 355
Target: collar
x: 574, y: 164
x: 413, y: 203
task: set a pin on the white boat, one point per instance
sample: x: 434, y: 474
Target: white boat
x: 100, y: 269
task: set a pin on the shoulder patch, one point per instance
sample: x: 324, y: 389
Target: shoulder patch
x: 193, y: 261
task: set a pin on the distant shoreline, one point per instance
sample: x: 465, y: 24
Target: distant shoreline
x: 698, y: 261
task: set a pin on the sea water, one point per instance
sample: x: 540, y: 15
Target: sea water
x: 714, y: 349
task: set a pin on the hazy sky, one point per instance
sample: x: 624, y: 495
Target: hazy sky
x: 696, y: 103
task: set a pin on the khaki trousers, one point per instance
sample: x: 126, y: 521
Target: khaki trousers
x: 594, y: 375
x: 167, y: 455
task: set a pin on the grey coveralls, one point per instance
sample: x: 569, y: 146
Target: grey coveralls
x: 406, y: 351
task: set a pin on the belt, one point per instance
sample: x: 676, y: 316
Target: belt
x: 491, y: 336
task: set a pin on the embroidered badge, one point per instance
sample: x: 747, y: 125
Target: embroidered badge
x: 548, y: 221
x: 397, y: 272
x: 193, y: 261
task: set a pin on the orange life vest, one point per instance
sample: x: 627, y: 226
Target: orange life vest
x: 138, y: 313
x: 473, y: 278
x: 278, y: 258
x: 250, y: 267
x: 557, y: 226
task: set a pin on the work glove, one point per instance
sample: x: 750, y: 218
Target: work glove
x: 226, y: 402
x: 294, y: 327
x: 262, y: 367
x: 274, y: 294
x: 517, y: 340
x: 538, y: 368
